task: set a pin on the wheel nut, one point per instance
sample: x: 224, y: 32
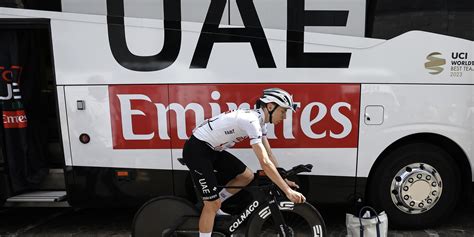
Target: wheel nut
x: 412, y: 203
x: 406, y: 197
x: 429, y: 201
x: 428, y: 177
x: 410, y: 180
x: 405, y: 188
x: 433, y: 184
x: 419, y: 176
x: 420, y: 204
x: 434, y: 193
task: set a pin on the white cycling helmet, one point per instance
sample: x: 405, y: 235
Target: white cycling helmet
x: 279, y: 97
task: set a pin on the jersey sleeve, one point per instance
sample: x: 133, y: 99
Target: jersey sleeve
x: 264, y: 130
x: 251, y: 125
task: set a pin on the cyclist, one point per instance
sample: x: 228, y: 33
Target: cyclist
x: 205, y: 152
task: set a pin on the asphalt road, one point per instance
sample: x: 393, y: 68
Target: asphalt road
x: 76, y: 222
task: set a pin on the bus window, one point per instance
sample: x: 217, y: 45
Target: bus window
x: 387, y: 18
x: 461, y: 18
x: 50, y: 5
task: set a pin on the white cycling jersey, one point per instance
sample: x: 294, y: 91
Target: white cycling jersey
x: 226, y: 129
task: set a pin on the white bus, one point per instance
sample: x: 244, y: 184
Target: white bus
x: 103, y: 94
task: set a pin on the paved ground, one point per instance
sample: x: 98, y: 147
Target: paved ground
x: 461, y: 223
x: 76, y: 222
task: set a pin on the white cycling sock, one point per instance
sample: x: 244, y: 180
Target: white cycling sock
x: 205, y: 234
x: 222, y: 213
x: 224, y: 194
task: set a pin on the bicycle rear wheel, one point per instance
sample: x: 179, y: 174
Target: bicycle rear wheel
x: 160, y: 214
x: 303, y: 219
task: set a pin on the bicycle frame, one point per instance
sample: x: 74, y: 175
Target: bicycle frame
x: 265, y: 194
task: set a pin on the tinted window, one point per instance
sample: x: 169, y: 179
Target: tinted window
x: 389, y: 18
x: 49, y: 5
x: 461, y: 18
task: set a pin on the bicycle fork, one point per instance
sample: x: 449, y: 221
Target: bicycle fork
x: 278, y: 220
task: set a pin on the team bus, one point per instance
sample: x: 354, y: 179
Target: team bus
x: 98, y: 97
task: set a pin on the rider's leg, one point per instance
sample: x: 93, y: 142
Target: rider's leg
x: 206, y: 221
x: 233, y: 170
x: 242, y: 180
x: 199, y: 158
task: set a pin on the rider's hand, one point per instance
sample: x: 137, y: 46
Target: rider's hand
x: 292, y: 184
x: 295, y: 196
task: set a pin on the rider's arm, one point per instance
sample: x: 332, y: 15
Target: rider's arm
x: 269, y: 168
x: 272, y: 157
x: 272, y: 173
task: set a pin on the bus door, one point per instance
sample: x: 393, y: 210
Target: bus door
x: 32, y: 158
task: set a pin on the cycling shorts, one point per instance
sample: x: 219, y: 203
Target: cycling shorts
x: 204, y: 164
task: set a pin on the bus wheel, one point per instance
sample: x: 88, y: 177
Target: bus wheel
x: 417, y: 185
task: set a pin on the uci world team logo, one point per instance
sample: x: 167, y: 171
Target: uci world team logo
x: 435, y: 63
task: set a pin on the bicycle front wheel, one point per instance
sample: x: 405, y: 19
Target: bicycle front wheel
x: 303, y: 219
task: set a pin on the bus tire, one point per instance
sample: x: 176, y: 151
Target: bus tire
x: 418, y: 185
x: 303, y: 219
x: 159, y: 214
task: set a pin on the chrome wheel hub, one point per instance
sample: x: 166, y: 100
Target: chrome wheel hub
x: 416, y: 188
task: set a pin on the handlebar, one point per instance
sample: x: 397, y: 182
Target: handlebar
x: 295, y: 170
x: 261, y: 180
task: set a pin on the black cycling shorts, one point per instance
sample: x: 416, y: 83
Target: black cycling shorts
x: 204, y: 163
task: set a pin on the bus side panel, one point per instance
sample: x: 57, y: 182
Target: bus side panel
x: 103, y: 168
x: 106, y: 149
x: 447, y: 110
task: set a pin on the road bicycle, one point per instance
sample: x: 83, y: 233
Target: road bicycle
x: 269, y: 213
